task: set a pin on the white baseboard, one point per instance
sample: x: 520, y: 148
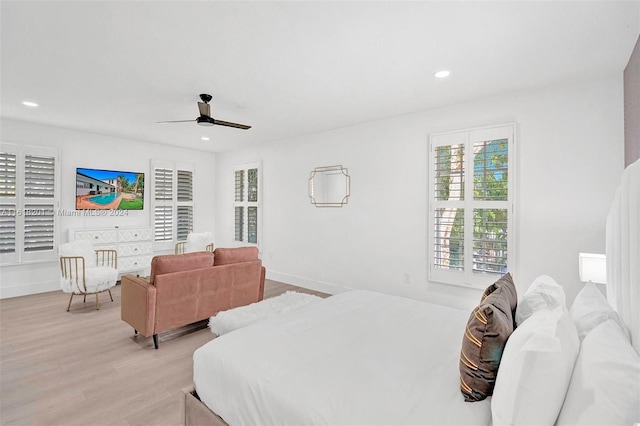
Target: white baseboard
x: 27, y: 289
x: 305, y: 283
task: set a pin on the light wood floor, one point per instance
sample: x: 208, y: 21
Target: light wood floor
x: 86, y: 367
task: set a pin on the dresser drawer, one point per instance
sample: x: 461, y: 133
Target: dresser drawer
x: 142, y: 234
x: 108, y: 236
x: 134, y: 249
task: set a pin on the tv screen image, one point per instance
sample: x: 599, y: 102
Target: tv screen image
x: 109, y: 190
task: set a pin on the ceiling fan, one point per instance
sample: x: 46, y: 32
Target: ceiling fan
x: 205, y: 118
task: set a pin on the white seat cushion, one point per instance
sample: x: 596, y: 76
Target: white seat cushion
x: 97, y: 279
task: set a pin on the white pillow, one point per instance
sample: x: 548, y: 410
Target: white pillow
x: 605, y: 386
x: 535, y: 370
x: 543, y: 293
x: 198, y: 241
x: 590, y: 309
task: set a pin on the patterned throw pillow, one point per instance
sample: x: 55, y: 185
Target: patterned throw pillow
x: 489, y: 326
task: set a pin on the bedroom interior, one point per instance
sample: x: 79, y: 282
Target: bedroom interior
x: 318, y: 93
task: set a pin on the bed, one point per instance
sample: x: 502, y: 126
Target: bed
x: 370, y: 346
x: 367, y: 358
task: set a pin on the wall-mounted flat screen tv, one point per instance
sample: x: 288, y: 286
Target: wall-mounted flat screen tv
x: 109, y: 190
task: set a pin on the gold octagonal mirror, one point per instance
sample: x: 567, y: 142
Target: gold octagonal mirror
x: 329, y: 186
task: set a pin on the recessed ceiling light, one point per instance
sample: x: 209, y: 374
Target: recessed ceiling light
x: 30, y: 104
x: 204, y: 138
x: 442, y: 74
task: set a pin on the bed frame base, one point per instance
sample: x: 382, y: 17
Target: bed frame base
x: 198, y: 414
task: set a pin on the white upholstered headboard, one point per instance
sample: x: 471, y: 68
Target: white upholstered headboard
x: 623, y: 252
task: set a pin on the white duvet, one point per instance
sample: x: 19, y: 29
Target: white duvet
x: 355, y: 358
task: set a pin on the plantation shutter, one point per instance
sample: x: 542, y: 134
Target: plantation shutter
x: 8, y: 205
x: 173, y: 202
x: 490, y: 225
x: 7, y: 174
x: 7, y: 228
x: 28, y: 202
x: 239, y: 224
x: 185, y: 204
x: 239, y: 207
x: 185, y: 185
x: 471, y: 230
x: 39, y: 176
x: 163, y: 204
x: 239, y: 185
x: 185, y: 222
x: 247, y: 219
x: 39, y: 204
x: 38, y: 227
x: 448, y: 190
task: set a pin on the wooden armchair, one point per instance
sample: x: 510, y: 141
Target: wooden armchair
x: 84, y: 270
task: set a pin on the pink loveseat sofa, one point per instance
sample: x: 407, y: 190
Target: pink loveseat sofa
x: 186, y: 288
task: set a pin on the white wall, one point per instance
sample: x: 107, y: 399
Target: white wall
x: 569, y: 157
x: 80, y: 149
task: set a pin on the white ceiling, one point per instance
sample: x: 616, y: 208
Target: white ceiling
x: 289, y: 68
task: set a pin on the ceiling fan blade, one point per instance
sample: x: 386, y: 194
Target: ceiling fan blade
x: 176, y: 121
x: 229, y: 124
x: 205, y: 109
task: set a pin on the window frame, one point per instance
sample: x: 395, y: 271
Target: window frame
x: 467, y: 277
x: 26, y: 207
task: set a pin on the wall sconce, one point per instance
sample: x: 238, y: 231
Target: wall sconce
x: 592, y: 267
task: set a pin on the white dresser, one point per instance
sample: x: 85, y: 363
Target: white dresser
x: 134, y: 246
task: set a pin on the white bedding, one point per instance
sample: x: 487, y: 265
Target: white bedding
x: 354, y: 358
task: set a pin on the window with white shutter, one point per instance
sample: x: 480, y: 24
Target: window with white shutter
x: 472, y: 208
x: 247, y: 199
x: 28, y: 203
x: 173, y: 202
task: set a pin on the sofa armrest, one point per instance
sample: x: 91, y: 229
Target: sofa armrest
x: 138, y: 304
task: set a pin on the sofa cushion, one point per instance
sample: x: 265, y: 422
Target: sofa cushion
x: 179, y: 262
x: 225, y: 256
